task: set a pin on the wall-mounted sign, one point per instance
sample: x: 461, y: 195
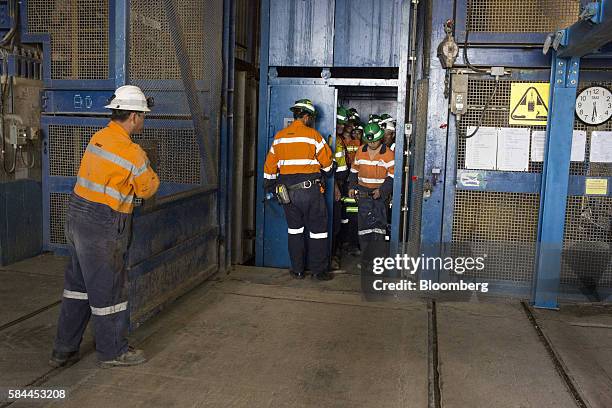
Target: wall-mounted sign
x: 529, y: 103
x: 596, y: 186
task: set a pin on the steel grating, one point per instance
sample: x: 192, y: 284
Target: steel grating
x: 66, y: 147
x: 177, y: 151
x: 501, y: 225
x: 59, y: 205
x: 587, y: 242
x: 178, y: 154
x: 521, y: 16
x: 479, y: 91
x: 152, y: 51
x: 79, y: 31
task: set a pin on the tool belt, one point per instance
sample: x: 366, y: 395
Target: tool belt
x: 305, y: 184
x: 282, y: 191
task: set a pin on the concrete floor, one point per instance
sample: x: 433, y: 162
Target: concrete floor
x: 256, y: 338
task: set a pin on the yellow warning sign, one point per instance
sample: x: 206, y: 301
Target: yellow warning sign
x: 529, y: 104
x: 596, y: 186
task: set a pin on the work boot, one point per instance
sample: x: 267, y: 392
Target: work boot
x: 129, y: 358
x: 323, y: 276
x: 335, y: 263
x: 63, y: 359
x: 296, y: 275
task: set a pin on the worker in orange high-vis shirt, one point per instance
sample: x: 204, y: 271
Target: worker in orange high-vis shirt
x: 297, y: 157
x: 113, y: 172
x: 371, y: 182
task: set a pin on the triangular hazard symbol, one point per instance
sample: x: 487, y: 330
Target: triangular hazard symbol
x: 531, y: 106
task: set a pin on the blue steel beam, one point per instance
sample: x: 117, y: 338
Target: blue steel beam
x: 262, y: 130
x: 436, y: 137
x: 226, y: 147
x: 118, y: 37
x: 555, y: 180
x: 589, y: 34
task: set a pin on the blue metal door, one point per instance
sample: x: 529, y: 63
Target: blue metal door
x: 281, y: 98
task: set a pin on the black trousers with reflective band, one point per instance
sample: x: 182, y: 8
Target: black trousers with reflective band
x: 372, y: 221
x: 307, y: 219
x: 95, y: 281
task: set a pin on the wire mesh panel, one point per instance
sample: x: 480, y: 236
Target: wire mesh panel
x: 152, y: 50
x: 176, y: 47
x: 586, y: 247
x: 588, y: 168
x: 588, y: 225
x: 59, y: 204
x: 176, y: 148
x: 66, y: 147
x: 497, y: 114
x: 521, y: 16
x: 502, y: 226
x: 79, y: 31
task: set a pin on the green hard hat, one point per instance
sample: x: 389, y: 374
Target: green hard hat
x: 304, y: 105
x: 342, y: 115
x: 374, y: 118
x: 384, y: 116
x: 372, y: 133
x: 353, y: 114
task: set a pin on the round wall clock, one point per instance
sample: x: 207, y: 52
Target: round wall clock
x: 594, y: 105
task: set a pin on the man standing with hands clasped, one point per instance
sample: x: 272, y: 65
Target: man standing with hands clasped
x: 371, y: 182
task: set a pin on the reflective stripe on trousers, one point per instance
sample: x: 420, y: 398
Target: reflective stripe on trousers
x: 95, y: 280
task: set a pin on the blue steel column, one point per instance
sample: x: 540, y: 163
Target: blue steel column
x: 401, y: 119
x: 435, y: 145
x: 226, y: 148
x: 555, y: 180
x: 119, y: 36
x: 262, y: 130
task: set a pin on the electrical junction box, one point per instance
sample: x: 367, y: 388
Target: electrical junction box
x: 459, y: 94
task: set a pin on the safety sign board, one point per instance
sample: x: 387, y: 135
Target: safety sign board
x: 472, y: 180
x: 529, y: 103
x: 596, y: 186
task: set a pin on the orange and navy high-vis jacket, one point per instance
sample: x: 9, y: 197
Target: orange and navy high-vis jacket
x: 352, y: 146
x: 114, y: 170
x: 373, y: 172
x: 297, y: 149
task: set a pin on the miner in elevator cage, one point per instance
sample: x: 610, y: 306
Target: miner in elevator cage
x: 293, y: 170
x: 371, y: 183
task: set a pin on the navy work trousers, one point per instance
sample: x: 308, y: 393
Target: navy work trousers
x: 307, y: 214
x: 95, y: 281
x: 372, y: 219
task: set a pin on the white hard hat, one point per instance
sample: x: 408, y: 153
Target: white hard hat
x: 388, y: 123
x: 130, y: 98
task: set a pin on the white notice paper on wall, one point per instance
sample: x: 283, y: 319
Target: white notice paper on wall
x: 481, y: 149
x: 578, y: 145
x: 513, y: 149
x: 538, y: 137
x: 601, y: 147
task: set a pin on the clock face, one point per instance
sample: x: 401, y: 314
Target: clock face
x: 594, y: 105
